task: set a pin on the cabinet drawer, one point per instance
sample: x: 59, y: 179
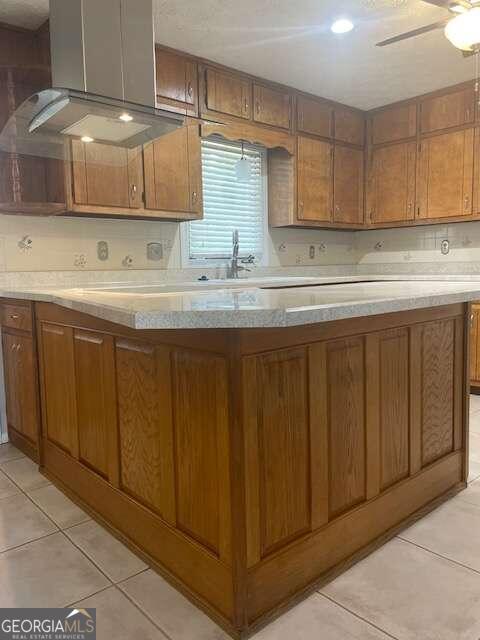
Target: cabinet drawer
x: 17, y: 317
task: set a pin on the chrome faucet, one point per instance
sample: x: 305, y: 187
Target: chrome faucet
x: 234, y: 268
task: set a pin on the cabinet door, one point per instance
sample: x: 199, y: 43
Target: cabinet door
x: 391, y: 187
x: 10, y: 366
x: 176, y: 80
x: 448, y: 110
x: 105, y: 175
x: 272, y: 106
x: 173, y: 180
x: 446, y: 175
x: 57, y: 385
x: 315, y: 179
x: 348, y: 185
x: 96, y: 402
x: 394, y: 124
x: 474, y: 345
x: 349, y: 126
x: 228, y: 93
x: 27, y: 388
x: 314, y: 117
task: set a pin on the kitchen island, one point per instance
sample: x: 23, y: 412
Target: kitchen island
x: 249, y: 442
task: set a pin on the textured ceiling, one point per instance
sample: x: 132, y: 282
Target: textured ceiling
x: 290, y: 41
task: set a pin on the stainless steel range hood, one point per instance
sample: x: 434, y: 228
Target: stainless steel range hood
x: 103, y: 77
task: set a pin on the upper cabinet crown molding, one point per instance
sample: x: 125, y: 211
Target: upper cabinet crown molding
x: 251, y: 133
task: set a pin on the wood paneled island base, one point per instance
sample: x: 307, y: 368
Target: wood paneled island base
x: 249, y: 465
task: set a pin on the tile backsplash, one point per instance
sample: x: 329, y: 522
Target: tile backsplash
x: 445, y: 248
x: 53, y: 244
x: 32, y: 244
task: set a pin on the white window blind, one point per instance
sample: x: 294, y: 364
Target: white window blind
x: 228, y: 202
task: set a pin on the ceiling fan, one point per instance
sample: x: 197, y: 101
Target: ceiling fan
x: 462, y: 26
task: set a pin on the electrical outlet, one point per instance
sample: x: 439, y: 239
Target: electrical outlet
x: 311, y: 252
x: 445, y: 247
x: 154, y: 251
x: 102, y: 250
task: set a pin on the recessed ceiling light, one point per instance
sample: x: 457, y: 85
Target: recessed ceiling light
x: 126, y: 117
x: 342, y: 26
x: 86, y: 139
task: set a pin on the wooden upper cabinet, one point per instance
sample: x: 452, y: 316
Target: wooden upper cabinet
x: 348, y: 185
x: 391, y: 184
x: 107, y: 176
x: 448, y: 110
x: 272, y: 106
x: 315, y: 180
x: 314, y: 117
x: 173, y: 172
x: 176, y: 80
x: 349, y: 126
x: 445, y: 175
x: 396, y: 123
x: 228, y: 93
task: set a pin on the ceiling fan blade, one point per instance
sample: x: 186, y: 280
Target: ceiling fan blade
x: 416, y: 32
x: 438, y: 3
x: 445, y: 4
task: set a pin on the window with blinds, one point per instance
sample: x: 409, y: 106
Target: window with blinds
x: 230, y: 201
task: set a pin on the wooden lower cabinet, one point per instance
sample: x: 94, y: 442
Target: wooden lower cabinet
x: 21, y: 385
x: 249, y: 464
x: 475, y: 346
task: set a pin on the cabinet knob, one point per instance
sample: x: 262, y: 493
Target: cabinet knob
x: 19, y: 346
x: 194, y: 197
x: 13, y: 347
x: 467, y: 203
x: 257, y: 106
x: 246, y: 104
x: 189, y: 89
x: 300, y: 204
x: 133, y: 191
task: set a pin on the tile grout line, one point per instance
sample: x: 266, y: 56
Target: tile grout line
x: 357, y: 615
x: 439, y: 555
x: 24, y: 544
x: 62, y: 531
x: 137, y: 606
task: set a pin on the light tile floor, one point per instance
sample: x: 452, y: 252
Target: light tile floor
x: 422, y: 585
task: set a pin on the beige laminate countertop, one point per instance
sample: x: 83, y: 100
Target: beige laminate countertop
x: 253, y: 302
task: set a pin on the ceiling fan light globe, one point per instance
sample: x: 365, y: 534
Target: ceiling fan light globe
x: 463, y: 31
